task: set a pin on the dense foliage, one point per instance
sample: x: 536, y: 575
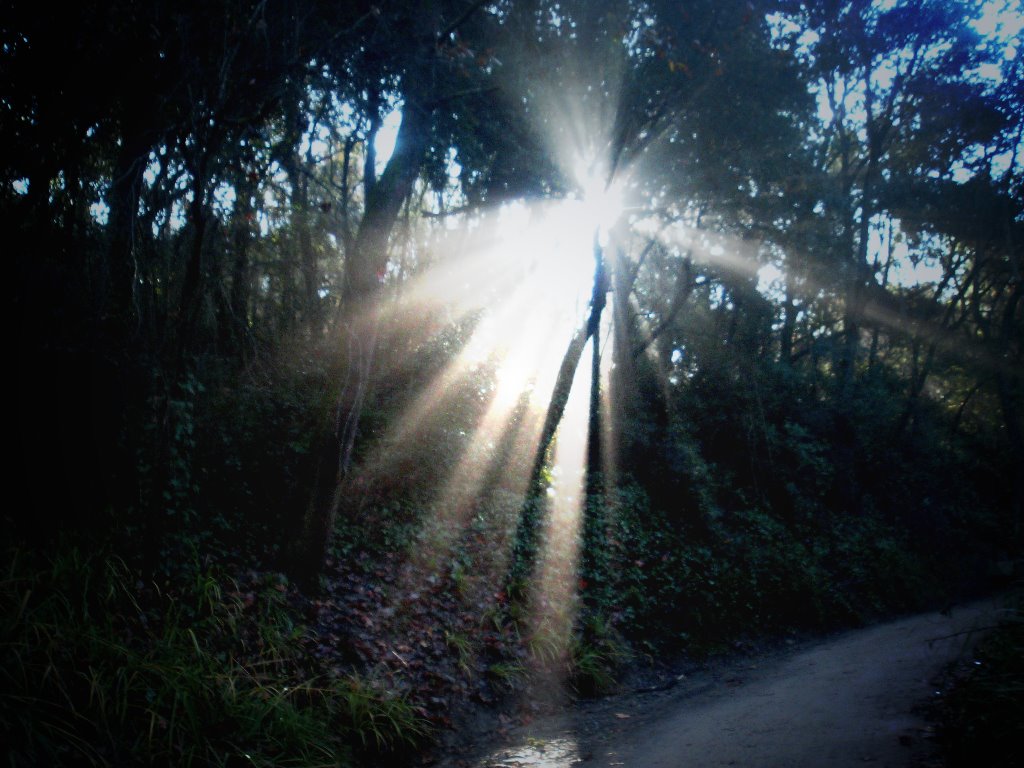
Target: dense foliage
x: 267, y: 509
x: 981, y: 709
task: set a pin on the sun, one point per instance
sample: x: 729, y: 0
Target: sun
x: 602, y: 201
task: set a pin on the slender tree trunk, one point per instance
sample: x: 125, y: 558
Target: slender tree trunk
x: 118, y: 289
x: 845, y: 440
x: 524, y: 547
x: 623, y: 393
x: 304, y: 256
x: 193, y: 285
x: 594, y: 553
x: 120, y: 382
x: 873, y: 352
x: 306, y: 253
x: 364, y: 271
x: 235, y: 326
x: 788, y: 324
x: 920, y: 370
x: 598, y: 300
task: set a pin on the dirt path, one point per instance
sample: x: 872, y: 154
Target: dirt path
x: 845, y: 701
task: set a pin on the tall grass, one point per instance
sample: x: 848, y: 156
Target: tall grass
x: 92, y: 673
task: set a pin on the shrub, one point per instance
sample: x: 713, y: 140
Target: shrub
x: 983, y: 713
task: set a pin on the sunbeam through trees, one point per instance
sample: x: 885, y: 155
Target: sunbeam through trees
x: 380, y: 360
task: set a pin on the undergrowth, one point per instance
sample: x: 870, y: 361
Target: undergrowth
x: 983, y: 713
x: 100, y: 668
x: 746, y: 573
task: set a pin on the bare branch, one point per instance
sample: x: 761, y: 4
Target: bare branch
x: 461, y: 19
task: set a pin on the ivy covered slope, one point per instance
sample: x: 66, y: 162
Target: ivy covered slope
x: 375, y: 361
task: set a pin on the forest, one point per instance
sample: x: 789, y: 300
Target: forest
x: 377, y: 360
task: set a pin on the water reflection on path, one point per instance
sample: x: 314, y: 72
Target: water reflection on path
x: 549, y: 753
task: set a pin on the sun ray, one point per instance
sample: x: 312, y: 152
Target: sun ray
x: 734, y: 253
x: 528, y: 272
x: 537, y: 268
x: 554, y: 592
x: 509, y: 416
x: 531, y: 295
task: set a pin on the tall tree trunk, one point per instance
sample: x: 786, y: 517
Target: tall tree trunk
x: 117, y: 300
x: 788, y: 324
x: 873, y: 351
x: 304, y: 255
x: 594, y: 552
x: 364, y: 271
x: 119, y: 377
x: 524, y: 547
x: 235, y: 325
x: 193, y: 284
x: 595, y: 454
x: 845, y: 440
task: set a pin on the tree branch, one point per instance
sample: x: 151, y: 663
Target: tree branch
x: 461, y: 19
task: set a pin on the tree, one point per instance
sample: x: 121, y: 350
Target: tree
x: 879, y: 74
x: 425, y: 77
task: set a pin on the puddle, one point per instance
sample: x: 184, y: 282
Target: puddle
x: 548, y: 753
